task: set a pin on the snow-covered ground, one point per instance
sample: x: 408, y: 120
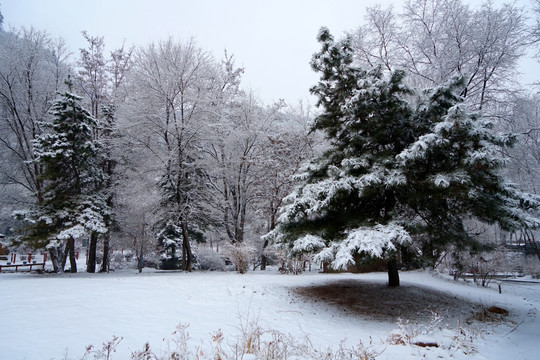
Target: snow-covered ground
x: 57, y: 316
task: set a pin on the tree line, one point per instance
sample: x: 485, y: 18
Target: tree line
x: 161, y: 144
x: 156, y: 143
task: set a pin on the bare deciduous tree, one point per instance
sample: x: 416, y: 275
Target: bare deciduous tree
x: 435, y: 40
x: 32, y: 65
x: 171, y: 82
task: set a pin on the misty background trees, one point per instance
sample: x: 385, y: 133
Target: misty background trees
x: 188, y: 158
x: 181, y: 147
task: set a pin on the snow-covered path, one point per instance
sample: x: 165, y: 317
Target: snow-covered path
x: 46, y: 316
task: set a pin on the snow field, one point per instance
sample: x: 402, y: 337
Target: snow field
x: 57, y: 316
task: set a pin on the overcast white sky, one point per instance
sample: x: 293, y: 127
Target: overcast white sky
x: 272, y: 39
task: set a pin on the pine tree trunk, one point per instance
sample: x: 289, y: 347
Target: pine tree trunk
x: 105, y: 263
x: 72, y: 261
x: 92, y: 249
x: 393, y: 274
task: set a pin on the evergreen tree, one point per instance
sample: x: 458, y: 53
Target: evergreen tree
x: 170, y: 240
x: 453, y: 173
x: 183, y: 197
x: 400, y: 164
x: 71, y: 207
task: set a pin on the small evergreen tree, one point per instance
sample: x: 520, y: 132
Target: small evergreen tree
x: 400, y: 164
x: 170, y: 240
x: 71, y: 206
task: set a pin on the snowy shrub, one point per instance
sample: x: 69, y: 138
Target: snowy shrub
x: 151, y: 260
x: 241, y: 255
x: 288, y: 264
x: 210, y: 260
x: 117, y: 261
x: 292, y: 266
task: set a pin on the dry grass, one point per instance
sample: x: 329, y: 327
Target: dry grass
x: 492, y: 314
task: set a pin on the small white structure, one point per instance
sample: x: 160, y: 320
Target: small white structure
x: 3, y: 246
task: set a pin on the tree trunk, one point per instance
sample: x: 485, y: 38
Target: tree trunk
x: 105, y: 263
x: 140, y: 256
x: 273, y: 212
x: 64, y: 258
x: 56, y: 259
x: 187, y: 256
x: 92, y: 249
x: 140, y: 262
x: 263, y: 257
x: 72, y: 261
x: 393, y: 274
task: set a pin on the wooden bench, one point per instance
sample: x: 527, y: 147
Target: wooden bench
x: 16, y: 266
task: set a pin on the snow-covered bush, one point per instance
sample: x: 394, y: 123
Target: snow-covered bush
x: 210, y: 260
x: 151, y: 260
x: 241, y: 255
x: 120, y: 260
x: 289, y: 265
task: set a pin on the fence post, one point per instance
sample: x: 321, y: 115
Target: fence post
x: 44, y: 257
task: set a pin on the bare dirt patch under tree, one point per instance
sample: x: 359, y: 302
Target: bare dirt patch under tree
x: 377, y: 301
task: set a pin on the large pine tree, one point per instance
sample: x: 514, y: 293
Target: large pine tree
x: 72, y: 206
x: 401, y: 164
